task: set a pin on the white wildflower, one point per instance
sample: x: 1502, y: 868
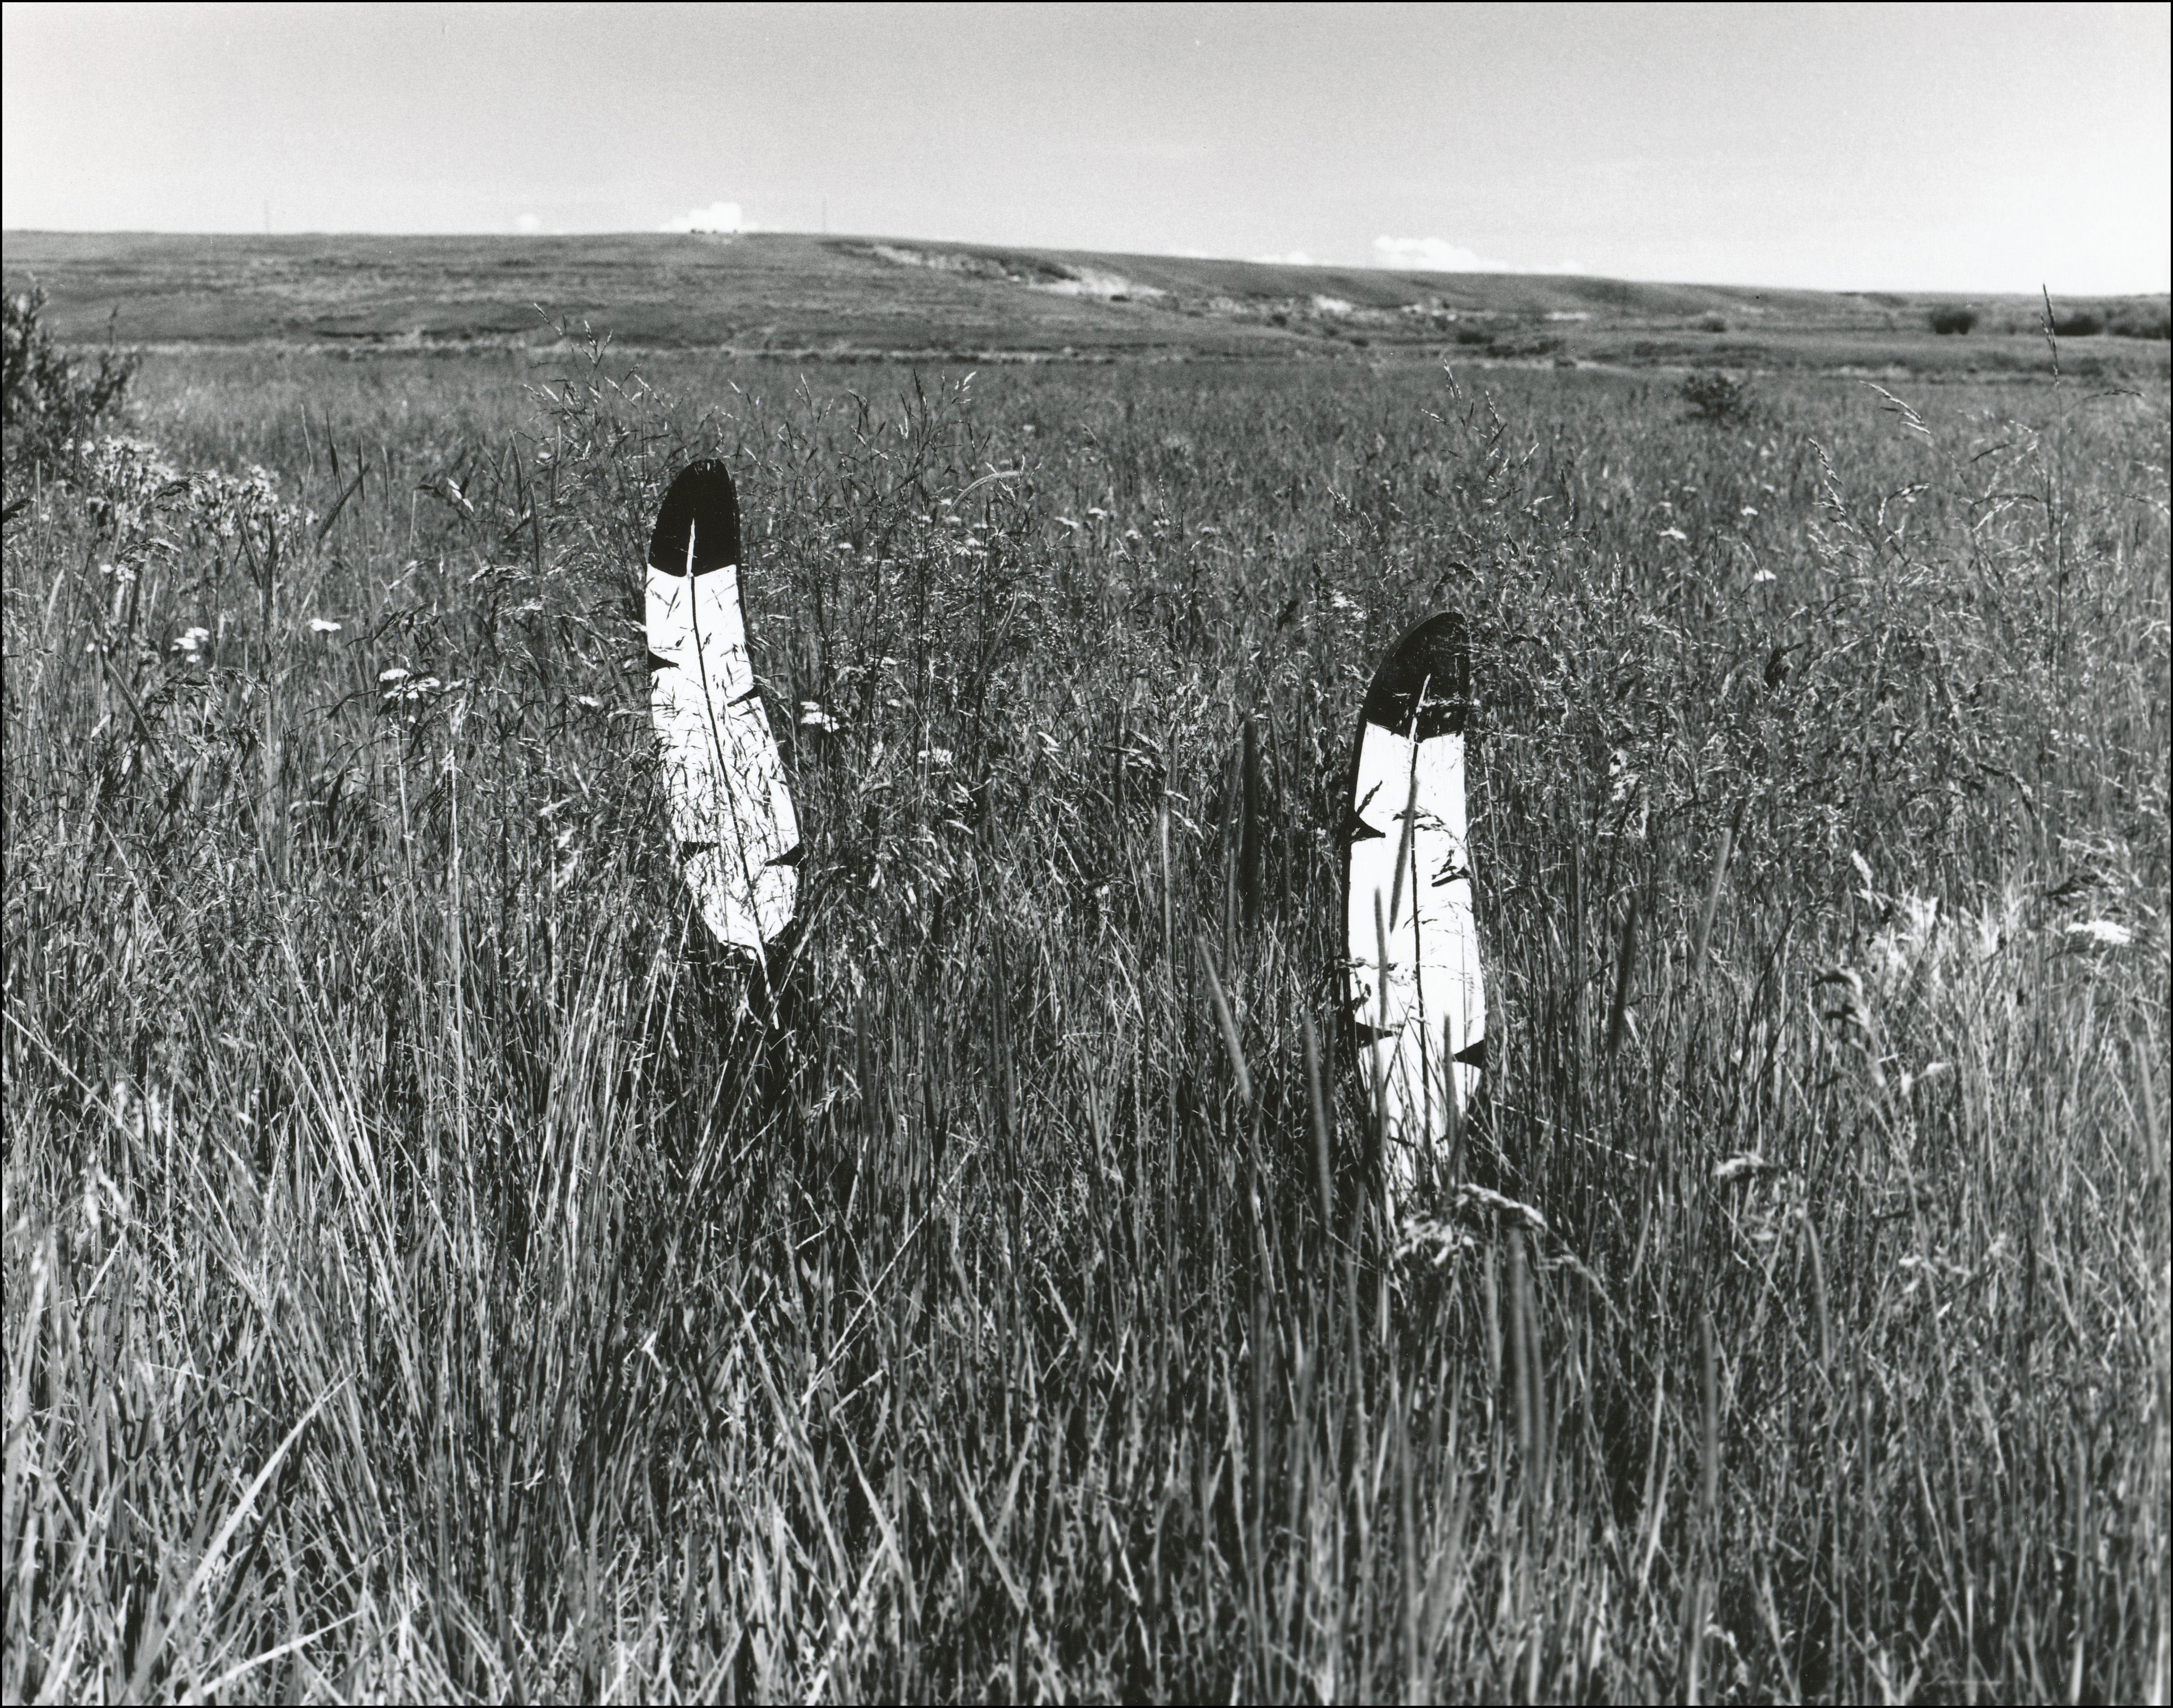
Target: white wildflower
x: 402, y: 686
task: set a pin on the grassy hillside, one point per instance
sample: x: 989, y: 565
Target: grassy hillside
x: 430, y: 1274
x: 848, y: 297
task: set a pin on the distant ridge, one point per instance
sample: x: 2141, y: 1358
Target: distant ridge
x: 858, y: 297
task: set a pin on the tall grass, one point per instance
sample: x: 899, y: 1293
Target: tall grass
x: 430, y: 1271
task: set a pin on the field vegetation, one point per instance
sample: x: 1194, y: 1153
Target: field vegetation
x: 431, y: 1272
x: 800, y: 298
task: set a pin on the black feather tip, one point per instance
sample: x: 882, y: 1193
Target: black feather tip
x: 701, y: 506
x: 1423, y: 688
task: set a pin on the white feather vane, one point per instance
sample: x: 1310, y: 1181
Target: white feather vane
x: 736, y: 834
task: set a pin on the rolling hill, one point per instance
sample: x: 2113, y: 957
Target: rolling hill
x: 855, y: 297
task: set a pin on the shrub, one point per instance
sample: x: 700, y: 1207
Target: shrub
x: 1473, y: 335
x: 1714, y: 323
x: 2078, y: 323
x: 1953, y: 319
x: 47, y: 401
x: 2143, y: 323
x: 1715, y: 396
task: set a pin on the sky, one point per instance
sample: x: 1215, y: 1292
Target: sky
x: 1909, y: 147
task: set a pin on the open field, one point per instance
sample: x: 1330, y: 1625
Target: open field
x: 852, y: 297
x: 424, y: 1279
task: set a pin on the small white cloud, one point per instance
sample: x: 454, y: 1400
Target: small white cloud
x: 1289, y: 257
x: 1439, y: 255
x: 528, y: 226
x: 717, y: 216
x: 1430, y: 255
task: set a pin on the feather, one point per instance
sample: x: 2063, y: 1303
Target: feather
x: 732, y: 824
x: 1421, y: 1018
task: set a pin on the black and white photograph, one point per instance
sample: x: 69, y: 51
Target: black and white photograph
x: 1086, y: 852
